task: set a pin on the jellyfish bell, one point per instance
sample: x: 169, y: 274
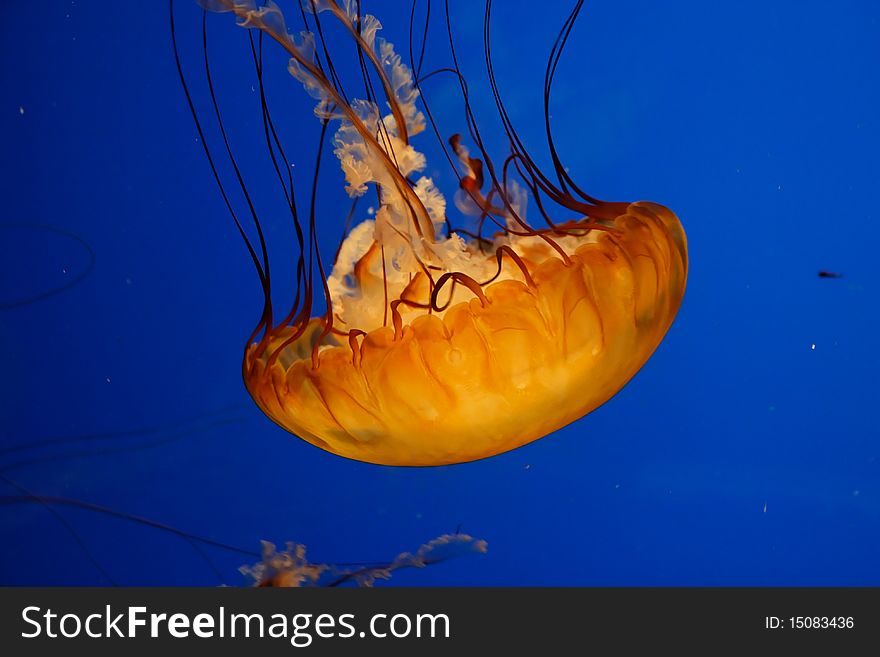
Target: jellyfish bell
x: 487, y: 374
x: 440, y: 346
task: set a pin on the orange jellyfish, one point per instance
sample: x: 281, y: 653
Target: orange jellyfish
x: 439, y: 345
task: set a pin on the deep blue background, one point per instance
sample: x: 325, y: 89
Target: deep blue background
x: 744, y: 452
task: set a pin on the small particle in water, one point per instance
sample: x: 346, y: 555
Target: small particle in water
x: 107, y: 379
x: 128, y: 281
x: 829, y: 274
x: 64, y: 270
x: 856, y: 493
x: 616, y: 485
x: 21, y: 110
x: 779, y: 188
x: 528, y: 466
x: 765, y: 507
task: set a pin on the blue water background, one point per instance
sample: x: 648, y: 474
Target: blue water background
x: 744, y: 453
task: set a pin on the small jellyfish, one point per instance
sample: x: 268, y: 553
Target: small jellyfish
x: 286, y: 568
x: 289, y: 568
